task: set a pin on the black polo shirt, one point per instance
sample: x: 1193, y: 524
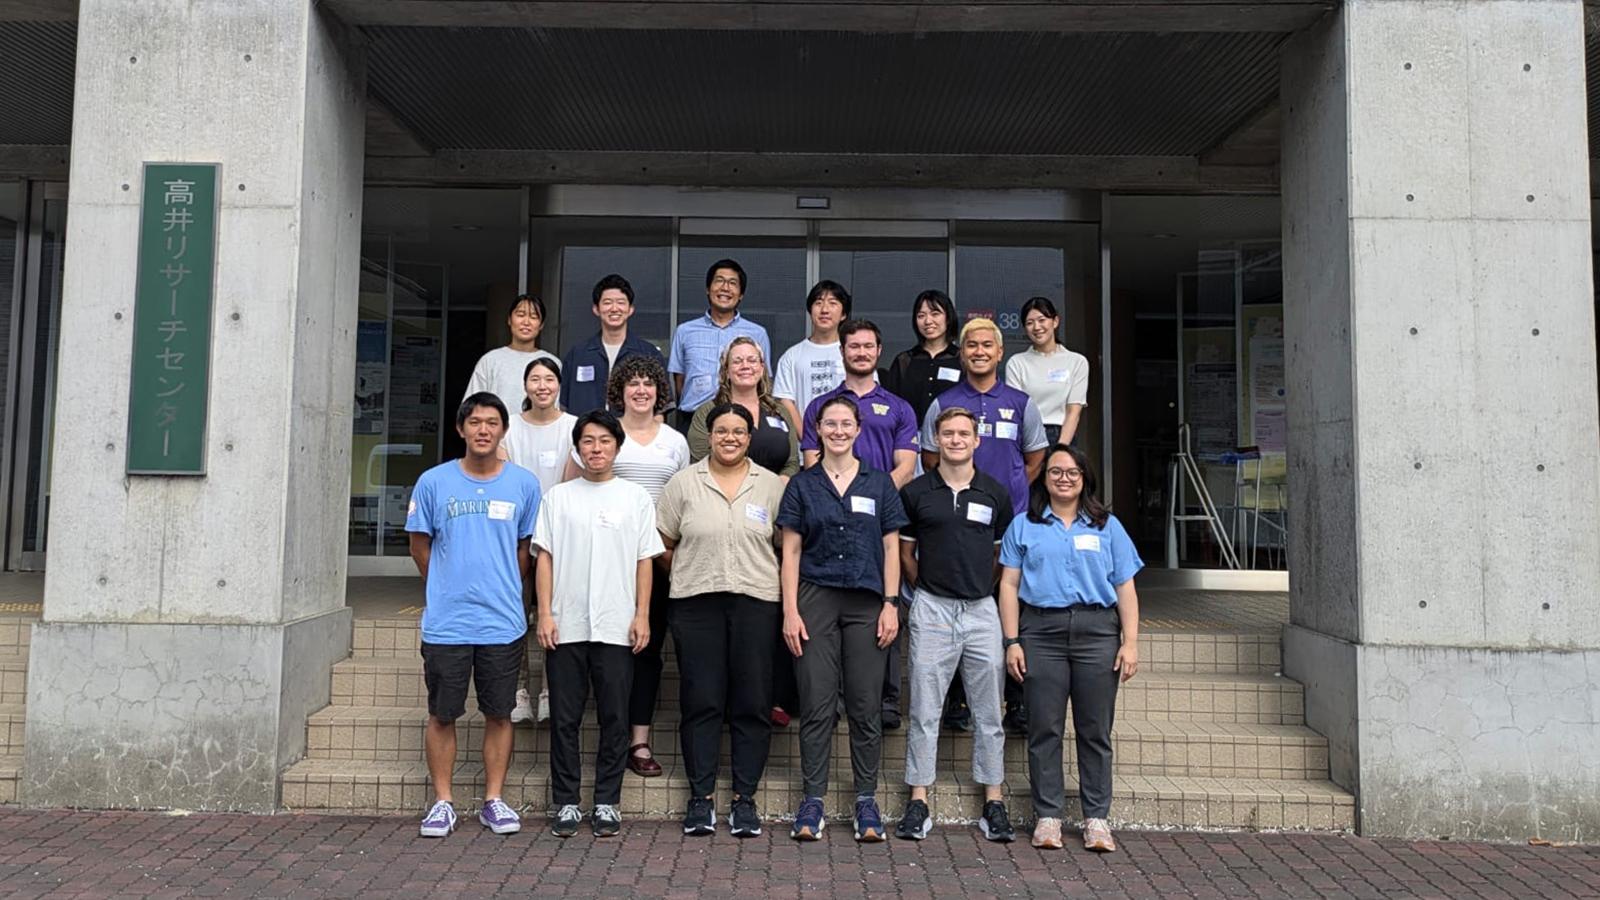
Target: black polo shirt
x: 957, y: 533
x: 841, y: 537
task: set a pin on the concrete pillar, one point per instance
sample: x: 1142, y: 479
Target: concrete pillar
x: 1444, y: 452
x: 190, y: 622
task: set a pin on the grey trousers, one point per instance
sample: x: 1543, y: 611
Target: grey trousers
x: 843, y: 649
x: 1070, y: 653
x: 947, y: 635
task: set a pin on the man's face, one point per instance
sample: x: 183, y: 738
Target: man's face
x: 826, y: 313
x: 726, y: 290
x: 861, y: 350
x: 957, y: 440
x: 980, y: 352
x: 597, y: 448
x: 613, y: 309
x: 482, y: 430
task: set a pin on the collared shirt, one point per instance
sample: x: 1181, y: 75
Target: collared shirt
x: 1009, y: 425
x: 586, y: 367
x: 596, y: 533
x: 841, y: 537
x: 917, y: 376
x: 1054, y: 380
x: 887, y: 425
x: 955, y: 533
x: 723, y: 545
x: 697, y: 354
x: 1076, y: 565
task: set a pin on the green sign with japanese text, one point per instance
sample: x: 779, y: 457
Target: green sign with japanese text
x: 172, y: 319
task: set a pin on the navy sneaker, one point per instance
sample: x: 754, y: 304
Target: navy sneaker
x: 915, y: 823
x: 743, y: 820
x: 996, y: 823
x: 869, y: 822
x: 567, y: 819
x: 701, y: 819
x: 808, y: 822
x: 605, y: 821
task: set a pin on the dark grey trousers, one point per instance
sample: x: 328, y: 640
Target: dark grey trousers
x: 1070, y: 653
x: 843, y: 649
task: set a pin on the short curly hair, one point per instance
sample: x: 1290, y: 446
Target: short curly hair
x: 638, y: 365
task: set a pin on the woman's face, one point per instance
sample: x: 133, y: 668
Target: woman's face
x: 639, y: 394
x: 730, y: 439
x: 838, y: 428
x: 525, y: 322
x: 931, y: 321
x: 1040, y: 327
x: 745, y: 366
x: 1062, y: 477
x: 542, y: 387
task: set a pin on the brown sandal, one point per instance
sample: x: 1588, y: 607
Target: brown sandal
x: 643, y: 766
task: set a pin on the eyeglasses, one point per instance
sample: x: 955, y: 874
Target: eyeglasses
x: 730, y: 432
x: 1059, y: 474
x: 725, y: 281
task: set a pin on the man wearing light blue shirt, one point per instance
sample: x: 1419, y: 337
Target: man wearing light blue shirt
x: 698, y: 344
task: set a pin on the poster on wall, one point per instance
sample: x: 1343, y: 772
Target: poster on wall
x: 372, y: 375
x: 1210, y: 390
x: 1264, y: 394
x: 414, y: 404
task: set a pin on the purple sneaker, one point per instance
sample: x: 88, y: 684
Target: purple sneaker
x: 440, y: 821
x: 498, y: 817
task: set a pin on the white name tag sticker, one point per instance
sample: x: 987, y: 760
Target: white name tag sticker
x: 501, y: 509
x: 607, y: 518
x: 755, y: 513
x: 864, y: 505
x: 1059, y: 376
x: 778, y: 423
x: 948, y: 374
x: 1005, y: 431
x: 1089, y: 542
x: 977, y: 512
x: 549, y: 458
x: 586, y: 373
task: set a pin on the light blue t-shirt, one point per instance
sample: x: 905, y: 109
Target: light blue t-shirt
x: 697, y: 354
x: 474, y: 591
x: 1069, y: 566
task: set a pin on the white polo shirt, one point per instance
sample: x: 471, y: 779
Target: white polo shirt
x: 595, y: 533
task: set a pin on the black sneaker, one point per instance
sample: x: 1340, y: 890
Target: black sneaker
x: 701, y: 819
x: 995, y: 824
x: 915, y: 823
x: 743, y: 820
x: 1016, y: 721
x: 605, y: 821
x: 566, y: 822
x: 891, y: 720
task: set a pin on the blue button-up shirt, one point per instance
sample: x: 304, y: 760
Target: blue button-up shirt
x: 1009, y: 425
x: 585, y: 368
x: 1062, y: 565
x: 841, y: 537
x: 697, y: 354
x: 887, y: 425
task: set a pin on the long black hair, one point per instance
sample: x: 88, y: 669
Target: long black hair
x: 1089, y: 504
x: 938, y: 300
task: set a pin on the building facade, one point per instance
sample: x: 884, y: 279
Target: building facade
x: 1351, y: 236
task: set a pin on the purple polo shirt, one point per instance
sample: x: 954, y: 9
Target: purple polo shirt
x: 1009, y: 425
x: 887, y: 425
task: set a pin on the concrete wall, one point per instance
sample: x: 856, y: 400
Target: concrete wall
x: 197, y: 617
x: 1445, y: 450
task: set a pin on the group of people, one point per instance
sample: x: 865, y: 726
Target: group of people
x: 785, y: 523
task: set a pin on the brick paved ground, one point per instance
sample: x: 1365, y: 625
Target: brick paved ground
x: 152, y: 855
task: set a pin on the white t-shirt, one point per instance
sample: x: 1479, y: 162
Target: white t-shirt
x: 595, y: 533
x: 1052, y: 380
x: 611, y: 352
x: 541, y: 449
x: 806, y: 371
x: 652, y: 465
x: 500, y: 372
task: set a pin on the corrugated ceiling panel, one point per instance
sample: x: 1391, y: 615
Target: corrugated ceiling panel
x: 821, y: 92
x: 36, y: 71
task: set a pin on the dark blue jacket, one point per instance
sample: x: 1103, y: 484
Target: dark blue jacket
x: 582, y: 395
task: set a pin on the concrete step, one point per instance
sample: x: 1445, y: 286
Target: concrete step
x: 1143, y: 747
x: 10, y: 775
x: 13, y: 676
x: 12, y: 717
x: 1215, y: 652
x: 401, y: 788
x: 1207, y: 697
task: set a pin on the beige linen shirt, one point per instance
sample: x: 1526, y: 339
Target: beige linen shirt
x: 722, y: 546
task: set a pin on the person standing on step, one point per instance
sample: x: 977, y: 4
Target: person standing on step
x: 933, y: 364
x: 650, y: 455
x: 469, y: 521
x: 1070, y: 615
x: 596, y: 539
x: 718, y: 521
x: 500, y: 370
x: 775, y: 442
x: 814, y: 366
x: 698, y: 344
x: 587, y: 366
x: 539, y: 440
x: 957, y: 517
x: 840, y: 576
x: 1056, y: 378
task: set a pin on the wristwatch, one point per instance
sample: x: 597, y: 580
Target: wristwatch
x: 891, y: 598
x: 1008, y: 643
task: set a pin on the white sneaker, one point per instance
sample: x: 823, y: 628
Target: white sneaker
x: 544, y: 705
x: 523, y: 712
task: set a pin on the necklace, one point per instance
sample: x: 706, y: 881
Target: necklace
x: 841, y: 473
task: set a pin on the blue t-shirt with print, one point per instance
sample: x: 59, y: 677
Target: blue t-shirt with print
x: 474, y: 590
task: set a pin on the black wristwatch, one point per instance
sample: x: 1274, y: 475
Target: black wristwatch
x: 891, y: 598
x: 1008, y: 643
